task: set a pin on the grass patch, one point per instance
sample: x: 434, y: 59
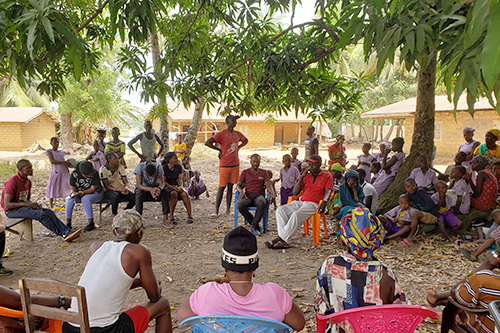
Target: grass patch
x: 7, y: 170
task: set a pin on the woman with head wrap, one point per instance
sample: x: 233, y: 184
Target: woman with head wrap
x: 485, y: 187
x: 469, y: 146
x: 351, y: 194
x: 489, y: 148
x: 356, y: 278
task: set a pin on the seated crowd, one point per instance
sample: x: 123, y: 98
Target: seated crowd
x: 452, y: 202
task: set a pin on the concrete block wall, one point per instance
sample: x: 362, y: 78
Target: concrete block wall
x: 10, y: 136
x: 40, y: 128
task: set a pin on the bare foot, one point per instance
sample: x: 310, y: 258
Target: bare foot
x: 431, y: 296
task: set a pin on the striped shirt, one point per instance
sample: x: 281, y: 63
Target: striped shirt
x: 477, y: 292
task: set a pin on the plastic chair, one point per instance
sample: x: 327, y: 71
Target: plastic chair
x: 229, y: 323
x: 495, y: 312
x: 265, y: 217
x: 392, y: 318
x: 55, y: 326
x: 56, y: 316
x: 450, y: 312
x: 315, y: 223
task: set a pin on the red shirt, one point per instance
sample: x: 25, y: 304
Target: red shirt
x: 20, y: 188
x: 254, y: 182
x: 229, y: 144
x: 315, y: 188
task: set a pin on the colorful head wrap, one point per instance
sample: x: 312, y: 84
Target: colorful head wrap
x: 495, y: 132
x: 469, y: 129
x: 360, y: 230
x: 337, y: 167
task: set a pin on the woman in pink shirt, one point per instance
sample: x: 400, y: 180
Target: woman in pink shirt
x: 239, y: 295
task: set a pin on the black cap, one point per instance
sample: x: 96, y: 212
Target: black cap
x: 232, y: 116
x: 86, y: 168
x: 239, y: 252
x: 101, y: 131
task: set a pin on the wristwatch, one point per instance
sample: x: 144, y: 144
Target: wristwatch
x: 495, y: 254
x: 62, y: 301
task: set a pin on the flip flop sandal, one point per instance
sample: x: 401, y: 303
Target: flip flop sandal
x: 173, y: 221
x: 168, y: 225
x: 281, y: 245
x: 190, y: 220
x: 467, y: 254
x: 269, y: 244
x: 214, y: 216
x: 405, y: 243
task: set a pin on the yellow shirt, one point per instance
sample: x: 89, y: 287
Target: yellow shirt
x: 180, y: 146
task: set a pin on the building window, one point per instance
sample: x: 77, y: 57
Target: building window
x: 438, y: 131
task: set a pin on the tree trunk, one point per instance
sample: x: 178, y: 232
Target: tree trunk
x: 67, y: 132
x: 162, y: 100
x: 423, y: 134
x: 382, y: 121
x: 352, y: 128
x: 192, y: 131
x: 388, y: 135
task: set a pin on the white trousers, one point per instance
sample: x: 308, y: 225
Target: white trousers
x: 290, y: 217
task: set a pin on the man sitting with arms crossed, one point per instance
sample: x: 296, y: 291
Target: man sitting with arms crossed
x: 16, y: 203
x: 316, y: 185
x: 110, y: 274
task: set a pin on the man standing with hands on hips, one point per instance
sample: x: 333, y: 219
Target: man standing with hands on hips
x: 317, y: 186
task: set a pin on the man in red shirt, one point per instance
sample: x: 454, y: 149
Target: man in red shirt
x: 16, y: 203
x: 255, y: 181
x: 317, y: 186
x: 229, y: 162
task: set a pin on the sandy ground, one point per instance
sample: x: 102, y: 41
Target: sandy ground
x: 187, y: 255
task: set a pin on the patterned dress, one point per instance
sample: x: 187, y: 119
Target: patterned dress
x: 488, y: 196
x: 58, y: 184
x: 343, y: 282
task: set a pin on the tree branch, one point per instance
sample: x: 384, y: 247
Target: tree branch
x: 97, y: 12
x: 202, y: 4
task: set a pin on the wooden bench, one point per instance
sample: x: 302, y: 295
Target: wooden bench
x: 107, y: 204
x: 21, y: 227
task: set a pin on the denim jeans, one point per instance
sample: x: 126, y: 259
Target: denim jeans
x: 46, y: 217
x: 87, y: 200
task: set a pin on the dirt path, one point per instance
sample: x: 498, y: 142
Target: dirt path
x: 190, y: 254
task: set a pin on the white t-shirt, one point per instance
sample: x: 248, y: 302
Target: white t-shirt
x: 369, y: 190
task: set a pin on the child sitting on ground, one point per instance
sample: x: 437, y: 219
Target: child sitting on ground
x: 397, y: 221
x: 424, y: 176
x: 96, y: 156
x: 492, y: 236
x: 187, y: 172
x: 375, y: 170
x: 444, y: 204
x: 197, y: 186
x: 365, y: 160
x: 427, y: 209
x: 459, y: 159
x: 289, y: 175
x: 295, y: 162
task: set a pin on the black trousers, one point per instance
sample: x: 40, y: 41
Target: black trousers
x: 2, y: 246
x: 253, y: 199
x: 116, y: 197
x: 144, y: 196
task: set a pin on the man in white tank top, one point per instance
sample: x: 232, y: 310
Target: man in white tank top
x: 148, y: 140
x: 110, y: 274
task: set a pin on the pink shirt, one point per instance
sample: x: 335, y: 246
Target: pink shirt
x: 268, y: 301
x: 289, y: 178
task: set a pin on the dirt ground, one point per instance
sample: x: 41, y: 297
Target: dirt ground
x: 187, y: 255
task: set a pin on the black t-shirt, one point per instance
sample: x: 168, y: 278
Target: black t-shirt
x: 81, y: 183
x: 172, y: 176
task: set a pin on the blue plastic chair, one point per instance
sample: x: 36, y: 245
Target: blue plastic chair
x: 265, y: 217
x: 229, y: 323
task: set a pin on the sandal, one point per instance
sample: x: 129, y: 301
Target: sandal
x: 173, y: 221
x: 214, y: 216
x: 405, y: 243
x: 190, y: 220
x: 269, y: 244
x: 168, y: 224
x: 280, y: 245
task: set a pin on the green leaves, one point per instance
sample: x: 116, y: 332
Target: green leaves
x: 490, y: 57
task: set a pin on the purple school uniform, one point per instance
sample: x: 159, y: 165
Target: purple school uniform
x: 383, y: 181
x: 394, y: 213
x: 198, y: 185
x: 297, y: 163
x: 463, y: 189
x: 288, y: 180
x: 366, y: 159
x: 424, y: 179
x: 447, y: 215
x: 466, y: 147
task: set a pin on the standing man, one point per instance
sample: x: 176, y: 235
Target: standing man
x: 311, y: 143
x: 255, y: 181
x: 317, y: 186
x: 229, y: 162
x: 101, y: 135
x: 110, y: 274
x: 148, y: 140
x: 16, y: 203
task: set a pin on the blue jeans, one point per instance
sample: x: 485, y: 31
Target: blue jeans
x: 46, y: 217
x: 87, y: 200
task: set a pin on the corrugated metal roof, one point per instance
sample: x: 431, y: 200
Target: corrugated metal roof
x: 407, y: 107
x: 23, y: 115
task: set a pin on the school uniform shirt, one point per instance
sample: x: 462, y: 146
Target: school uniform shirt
x: 449, y: 202
x: 289, y: 178
x: 314, y: 188
x: 229, y: 144
x: 115, y: 178
x: 424, y: 179
x: 17, y: 186
x: 369, y: 190
x: 297, y: 163
x: 398, y: 213
x: 254, y: 182
x: 149, y: 181
x: 462, y: 188
x: 423, y: 202
x: 82, y: 184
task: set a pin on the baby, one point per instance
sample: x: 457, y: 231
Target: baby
x: 96, y: 156
x: 197, y: 186
x: 397, y: 221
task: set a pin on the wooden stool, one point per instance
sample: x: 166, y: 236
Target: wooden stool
x: 20, y: 227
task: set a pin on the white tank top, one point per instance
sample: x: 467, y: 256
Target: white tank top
x: 106, y: 285
x: 148, y: 147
